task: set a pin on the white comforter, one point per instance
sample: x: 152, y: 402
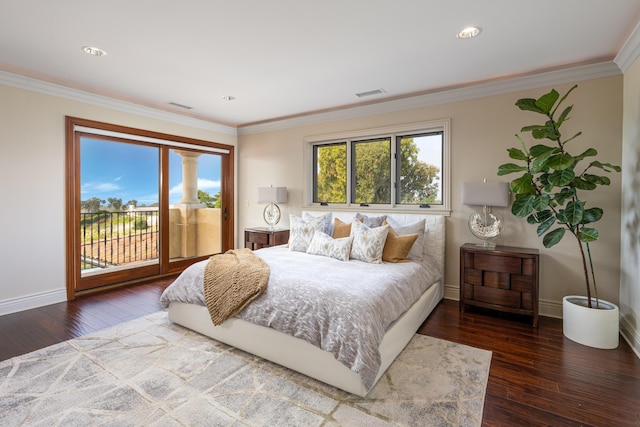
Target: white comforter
x: 341, y: 307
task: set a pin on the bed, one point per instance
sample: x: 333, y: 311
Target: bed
x: 331, y: 363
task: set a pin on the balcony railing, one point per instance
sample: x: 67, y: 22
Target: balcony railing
x: 110, y: 239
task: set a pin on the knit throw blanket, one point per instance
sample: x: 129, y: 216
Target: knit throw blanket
x: 231, y: 281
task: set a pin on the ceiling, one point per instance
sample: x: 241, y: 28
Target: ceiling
x: 285, y: 58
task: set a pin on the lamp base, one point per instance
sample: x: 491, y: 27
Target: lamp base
x: 271, y: 215
x: 486, y: 226
x: 486, y: 245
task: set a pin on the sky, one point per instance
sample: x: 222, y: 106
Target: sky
x: 130, y: 171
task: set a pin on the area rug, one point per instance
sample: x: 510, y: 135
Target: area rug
x: 151, y: 372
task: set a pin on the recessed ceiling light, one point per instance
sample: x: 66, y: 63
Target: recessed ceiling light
x: 93, y: 51
x: 469, y: 33
x: 228, y: 98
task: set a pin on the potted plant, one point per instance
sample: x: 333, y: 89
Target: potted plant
x: 548, y: 194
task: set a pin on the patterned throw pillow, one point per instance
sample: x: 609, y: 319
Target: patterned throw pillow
x: 368, y: 242
x: 326, y: 221
x: 371, y: 221
x: 325, y: 245
x: 301, y: 232
x: 415, y: 254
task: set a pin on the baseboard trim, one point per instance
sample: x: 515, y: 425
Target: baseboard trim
x: 32, y: 301
x: 630, y: 335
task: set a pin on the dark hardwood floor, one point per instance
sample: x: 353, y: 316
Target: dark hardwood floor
x: 537, y: 377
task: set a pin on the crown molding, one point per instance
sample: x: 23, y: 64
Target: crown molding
x: 47, y: 88
x: 480, y: 90
x: 630, y: 50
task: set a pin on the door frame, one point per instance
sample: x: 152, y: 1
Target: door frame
x: 72, y: 201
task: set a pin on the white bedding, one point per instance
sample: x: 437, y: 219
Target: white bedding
x: 342, y: 307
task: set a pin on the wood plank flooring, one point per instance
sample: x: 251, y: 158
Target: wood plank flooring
x: 537, y: 377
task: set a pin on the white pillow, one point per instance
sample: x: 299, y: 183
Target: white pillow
x: 368, y: 243
x: 301, y: 232
x: 415, y: 254
x: 371, y: 221
x: 325, y: 245
x: 327, y: 224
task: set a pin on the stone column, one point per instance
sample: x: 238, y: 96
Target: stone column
x: 189, y: 176
x: 188, y: 224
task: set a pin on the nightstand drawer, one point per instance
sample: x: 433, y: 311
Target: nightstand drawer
x: 503, y: 279
x: 262, y: 238
x: 498, y: 263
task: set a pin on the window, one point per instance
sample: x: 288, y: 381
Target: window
x: 404, y: 167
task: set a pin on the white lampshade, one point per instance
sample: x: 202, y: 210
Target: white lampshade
x: 485, y: 194
x: 272, y: 194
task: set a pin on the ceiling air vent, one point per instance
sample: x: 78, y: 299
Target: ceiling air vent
x: 370, y: 93
x: 175, y: 104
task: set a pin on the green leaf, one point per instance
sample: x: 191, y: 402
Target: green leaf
x: 517, y: 154
x: 523, y: 206
x: 596, y: 179
x: 529, y: 104
x: 553, y: 237
x: 545, y: 225
x: 592, y: 215
x: 523, y: 185
x: 582, y: 184
x: 588, y: 234
x: 590, y: 152
x: 546, y: 101
x: 563, y: 98
x: 572, y: 138
x: 541, y: 202
x: 573, y: 212
x: 563, y: 116
x: 541, y: 149
x: 541, y: 132
x: 560, y: 161
x: 606, y: 166
x: 564, y: 194
x: 508, y: 168
x: 560, y: 178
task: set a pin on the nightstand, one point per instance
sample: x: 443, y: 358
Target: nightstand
x: 263, y: 237
x: 504, y: 278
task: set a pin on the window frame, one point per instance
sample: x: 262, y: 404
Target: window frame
x: 393, y: 132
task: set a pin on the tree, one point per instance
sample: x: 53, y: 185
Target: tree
x: 332, y: 173
x: 418, y: 180
x: 91, y: 205
x: 115, y: 203
x: 133, y: 202
x: 209, y: 200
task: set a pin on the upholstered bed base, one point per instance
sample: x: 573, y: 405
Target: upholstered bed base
x: 299, y: 355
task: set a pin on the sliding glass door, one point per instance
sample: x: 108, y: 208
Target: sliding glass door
x: 140, y: 206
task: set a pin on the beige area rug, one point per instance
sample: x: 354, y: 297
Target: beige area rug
x: 150, y: 372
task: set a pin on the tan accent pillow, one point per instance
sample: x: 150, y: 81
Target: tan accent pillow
x: 396, y: 248
x: 341, y: 229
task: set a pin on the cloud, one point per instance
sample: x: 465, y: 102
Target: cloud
x: 99, y: 187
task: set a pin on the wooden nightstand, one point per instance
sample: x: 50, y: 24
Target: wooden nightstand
x: 263, y: 237
x: 504, y: 278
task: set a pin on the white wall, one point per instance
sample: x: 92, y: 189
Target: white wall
x: 32, y: 173
x: 630, y: 230
x: 481, y: 131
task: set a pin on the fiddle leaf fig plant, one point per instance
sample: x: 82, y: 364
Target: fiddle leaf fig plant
x: 548, y: 191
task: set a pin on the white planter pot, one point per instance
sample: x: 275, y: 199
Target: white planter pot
x: 592, y: 327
